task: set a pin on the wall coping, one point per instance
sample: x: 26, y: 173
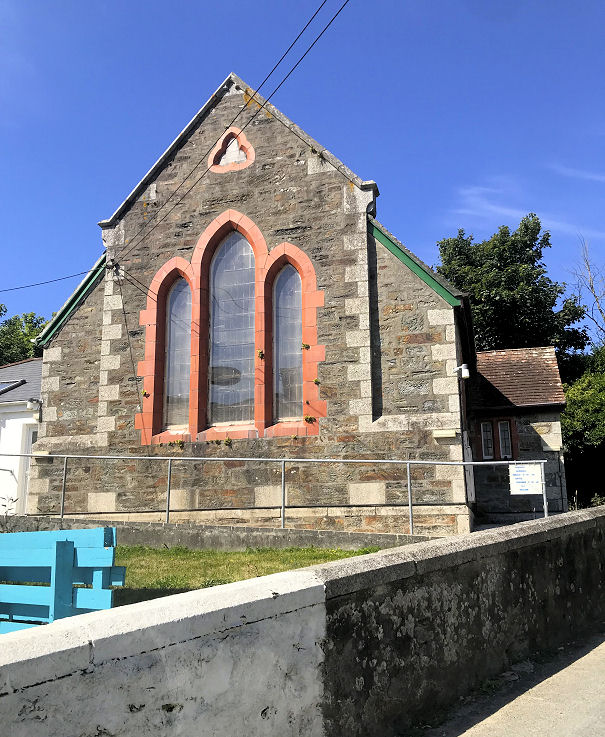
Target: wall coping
x: 70, y: 645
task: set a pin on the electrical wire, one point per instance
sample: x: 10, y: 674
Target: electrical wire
x: 40, y: 283
x: 261, y: 107
x: 127, y: 250
x: 267, y: 77
x: 134, y: 370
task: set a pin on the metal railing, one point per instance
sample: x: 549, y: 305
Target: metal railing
x: 282, y: 463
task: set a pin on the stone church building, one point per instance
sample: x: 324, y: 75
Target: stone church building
x: 248, y: 304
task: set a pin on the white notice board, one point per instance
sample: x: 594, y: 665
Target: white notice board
x: 525, y: 478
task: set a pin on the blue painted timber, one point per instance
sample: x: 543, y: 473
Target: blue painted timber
x: 44, y: 575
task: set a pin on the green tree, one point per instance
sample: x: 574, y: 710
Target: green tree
x: 583, y: 421
x: 16, y: 334
x: 583, y: 426
x: 514, y: 303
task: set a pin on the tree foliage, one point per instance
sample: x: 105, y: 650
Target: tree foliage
x: 514, y: 303
x: 583, y: 421
x: 16, y: 334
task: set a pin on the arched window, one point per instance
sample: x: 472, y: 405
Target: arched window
x: 231, y: 339
x: 287, y: 345
x: 177, y: 362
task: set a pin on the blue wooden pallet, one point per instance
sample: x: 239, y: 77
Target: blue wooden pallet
x: 56, y: 565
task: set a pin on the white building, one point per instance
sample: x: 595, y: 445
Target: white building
x: 19, y: 417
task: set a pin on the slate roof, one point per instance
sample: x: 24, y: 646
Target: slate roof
x: 517, y: 377
x: 20, y: 381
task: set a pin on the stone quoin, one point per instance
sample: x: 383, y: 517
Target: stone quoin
x: 266, y: 313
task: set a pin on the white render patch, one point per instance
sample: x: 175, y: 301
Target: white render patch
x: 52, y: 354
x: 443, y: 351
x: 112, y: 332
x: 50, y: 384
x: 240, y: 659
x: 318, y: 165
x: 112, y: 302
x: 110, y: 363
x: 75, y: 441
x: 425, y: 421
x: 441, y: 317
x: 356, y: 242
x: 101, y: 501
x: 447, y: 385
x: 109, y: 393
x: 374, y: 492
x: 356, y: 200
x: 268, y: 496
x: 106, y: 424
x: 49, y: 414
x: 359, y: 372
x: 358, y: 338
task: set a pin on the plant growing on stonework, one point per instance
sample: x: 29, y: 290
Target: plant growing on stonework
x: 6, y: 503
x: 305, y: 346
x: 260, y: 354
x: 228, y: 442
x: 309, y: 418
x: 317, y: 382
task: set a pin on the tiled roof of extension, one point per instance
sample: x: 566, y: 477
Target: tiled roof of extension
x: 517, y: 377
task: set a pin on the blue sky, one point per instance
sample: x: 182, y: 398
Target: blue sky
x: 467, y: 113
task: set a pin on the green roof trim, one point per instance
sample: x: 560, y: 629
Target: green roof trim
x: 78, y: 296
x: 439, y: 285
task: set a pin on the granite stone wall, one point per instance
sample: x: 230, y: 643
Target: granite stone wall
x: 376, y: 313
x: 538, y: 437
x: 370, y: 646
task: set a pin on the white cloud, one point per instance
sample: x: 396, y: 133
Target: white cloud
x: 589, y: 176
x: 489, y: 205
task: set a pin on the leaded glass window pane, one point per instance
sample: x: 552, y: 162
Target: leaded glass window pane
x: 287, y: 346
x: 231, y: 374
x: 487, y: 440
x: 506, y: 445
x: 177, y: 357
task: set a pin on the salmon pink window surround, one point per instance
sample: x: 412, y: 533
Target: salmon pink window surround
x: 250, y: 307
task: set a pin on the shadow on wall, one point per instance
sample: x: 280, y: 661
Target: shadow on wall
x: 492, y: 487
x: 124, y: 596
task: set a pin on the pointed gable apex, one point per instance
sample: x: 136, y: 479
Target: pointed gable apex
x: 232, y: 84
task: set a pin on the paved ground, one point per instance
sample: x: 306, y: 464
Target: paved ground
x: 560, y: 697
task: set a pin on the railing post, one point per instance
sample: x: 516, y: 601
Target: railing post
x: 543, y: 481
x: 283, y: 494
x: 63, y: 486
x: 410, y: 507
x: 168, y: 490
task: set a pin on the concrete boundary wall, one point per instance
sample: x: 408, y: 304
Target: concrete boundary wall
x: 365, y: 646
x: 219, y: 537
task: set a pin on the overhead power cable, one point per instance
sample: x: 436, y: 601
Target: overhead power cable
x: 261, y: 107
x: 127, y: 250
x: 40, y: 283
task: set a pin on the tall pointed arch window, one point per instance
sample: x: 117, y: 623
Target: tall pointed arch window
x: 177, y: 362
x: 287, y: 345
x: 231, y: 338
